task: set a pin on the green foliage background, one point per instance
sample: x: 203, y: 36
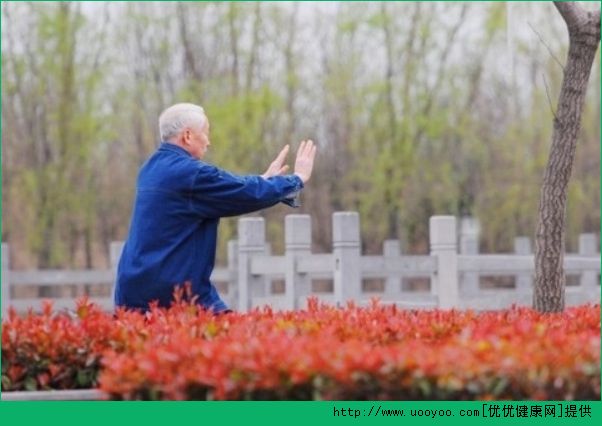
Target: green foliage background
x: 417, y: 109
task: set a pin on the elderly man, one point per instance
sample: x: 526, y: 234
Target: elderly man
x: 179, y: 200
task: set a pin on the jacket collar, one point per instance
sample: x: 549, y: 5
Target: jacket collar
x: 168, y: 146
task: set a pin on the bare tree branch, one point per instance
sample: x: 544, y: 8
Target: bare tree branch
x: 545, y: 82
x: 547, y: 47
x: 451, y: 36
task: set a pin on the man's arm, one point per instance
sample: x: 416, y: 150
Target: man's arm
x: 218, y: 193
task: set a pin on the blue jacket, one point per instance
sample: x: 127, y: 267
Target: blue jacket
x: 173, y: 232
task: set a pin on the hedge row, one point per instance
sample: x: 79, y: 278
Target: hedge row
x: 375, y: 352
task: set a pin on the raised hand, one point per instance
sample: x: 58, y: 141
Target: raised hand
x: 304, y: 162
x: 277, y: 167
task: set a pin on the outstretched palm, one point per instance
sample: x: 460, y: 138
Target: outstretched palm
x: 304, y: 163
x: 277, y: 167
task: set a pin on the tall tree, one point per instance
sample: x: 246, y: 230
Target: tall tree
x: 53, y: 91
x: 584, y: 37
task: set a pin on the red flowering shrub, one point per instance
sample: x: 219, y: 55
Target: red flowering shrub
x: 61, y: 350
x: 379, y: 352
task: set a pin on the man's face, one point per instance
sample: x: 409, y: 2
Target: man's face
x: 197, y: 140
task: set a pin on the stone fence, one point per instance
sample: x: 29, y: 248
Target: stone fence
x: 452, y: 275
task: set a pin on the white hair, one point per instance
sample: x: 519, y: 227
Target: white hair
x: 178, y: 117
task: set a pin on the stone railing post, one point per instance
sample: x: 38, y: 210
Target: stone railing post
x: 232, y: 267
x: 297, y: 240
x: 443, y: 241
x: 522, y: 246
x: 469, y: 244
x: 115, y: 250
x: 251, y: 241
x: 393, y: 288
x: 346, y: 256
x: 5, y: 280
x: 588, y: 246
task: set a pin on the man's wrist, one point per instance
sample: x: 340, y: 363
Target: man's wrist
x: 300, y: 177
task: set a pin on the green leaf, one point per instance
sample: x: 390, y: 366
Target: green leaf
x: 84, y: 378
x: 499, y: 386
x: 6, y: 383
x: 425, y: 386
x: 31, y: 384
x: 591, y: 369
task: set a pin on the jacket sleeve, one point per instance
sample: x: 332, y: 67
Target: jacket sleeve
x: 218, y: 193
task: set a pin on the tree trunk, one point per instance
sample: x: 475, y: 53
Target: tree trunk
x: 254, y: 49
x: 190, y: 63
x: 584, y: 37
x: 291, y: 75
x: 390, y: 193
x: 233, y: 11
